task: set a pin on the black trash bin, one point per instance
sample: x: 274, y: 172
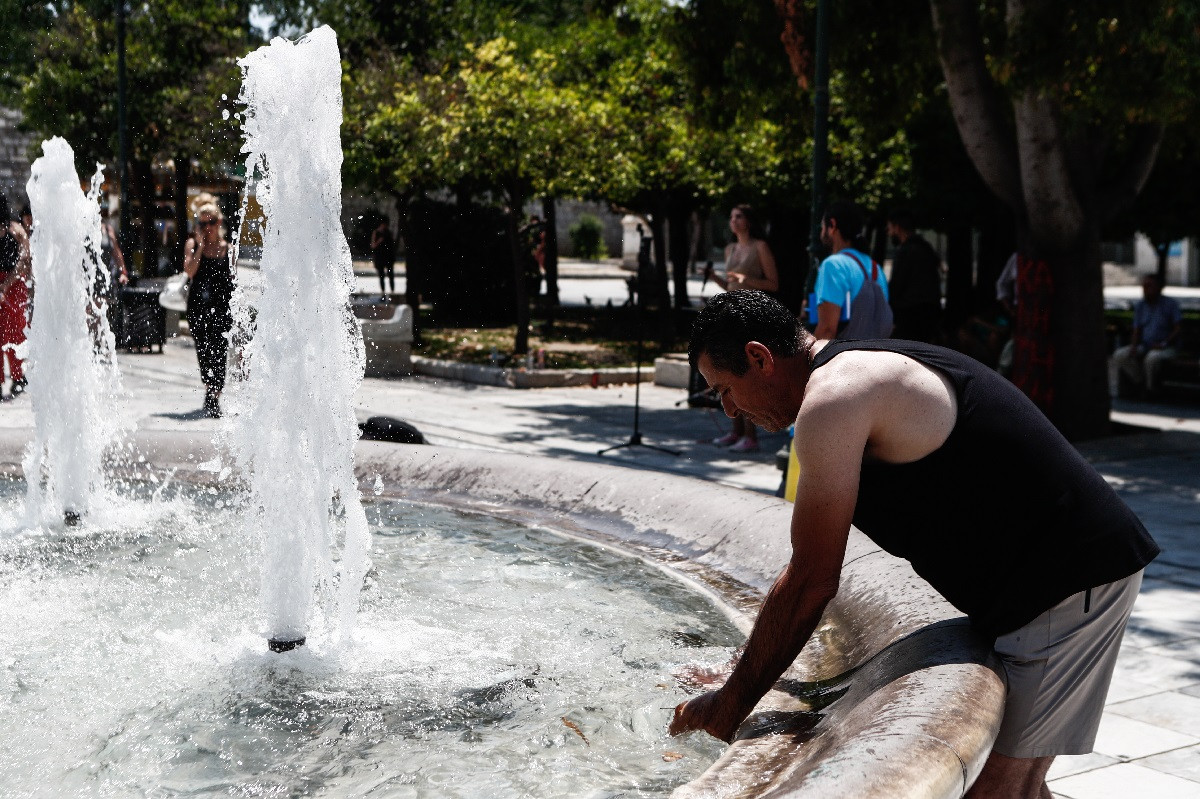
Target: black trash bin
x: 143, y: 320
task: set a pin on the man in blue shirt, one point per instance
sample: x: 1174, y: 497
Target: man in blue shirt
x: 1155, y: 330
x: 842, y: 275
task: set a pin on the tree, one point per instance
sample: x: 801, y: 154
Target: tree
x: 182, y: 77
x: 493, y: 121
x: 1062, y: 110
x: 21, y: 21
x: 1165, y: 211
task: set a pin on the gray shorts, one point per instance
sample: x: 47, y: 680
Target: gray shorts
x: 1058, y: 669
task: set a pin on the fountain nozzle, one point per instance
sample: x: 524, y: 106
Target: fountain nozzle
x: 71, y: 518
x: 284, y: 645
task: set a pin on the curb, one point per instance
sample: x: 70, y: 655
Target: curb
x: 526, y: 378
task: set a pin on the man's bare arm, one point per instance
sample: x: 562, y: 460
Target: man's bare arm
x: 830, y: 443
x: 828, y: 316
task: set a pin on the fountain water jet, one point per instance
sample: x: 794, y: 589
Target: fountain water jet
x: 293, y: 426
x: 69, y: 349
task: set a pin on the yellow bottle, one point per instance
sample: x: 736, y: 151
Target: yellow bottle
x: 793, y: 472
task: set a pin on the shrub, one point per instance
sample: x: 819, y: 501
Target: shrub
x: 587, y: 238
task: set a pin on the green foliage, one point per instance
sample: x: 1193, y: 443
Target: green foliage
x: 587, y: 238
x: 21, y: 21
x: 1129, y: 60
x: 181, y: 71
x: 489, y: 121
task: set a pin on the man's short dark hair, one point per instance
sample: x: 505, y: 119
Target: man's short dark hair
x: 849, y: 218
x: 904, y: 219
x: 735, y: 318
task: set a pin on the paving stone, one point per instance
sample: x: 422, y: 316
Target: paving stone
x: 1077, y: 764
x: 1186, y: 648
x: 1124, y: 690
x: 1168, y: 673
x: 1125, y: 781
x: 1128, y: 739
x: 1183, y: 763
x: 1171, y: 710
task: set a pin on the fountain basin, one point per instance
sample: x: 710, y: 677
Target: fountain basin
x: 893, y: 697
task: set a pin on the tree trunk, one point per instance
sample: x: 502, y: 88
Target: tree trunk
x: 661, y: 291
x: 412, y: 263
x: 516, y: 204
x: 145, y: 192
x: 1060, y: 358
x: 680, y: 228
x: 183, y: 169
x: 550, y: 215
x: 1060, y: 195
x: 959, y: 273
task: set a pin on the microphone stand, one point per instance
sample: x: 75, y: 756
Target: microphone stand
x: 635, y: 440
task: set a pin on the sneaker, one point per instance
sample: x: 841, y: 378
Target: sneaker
x: 726, y: 440
x: 744, y: 445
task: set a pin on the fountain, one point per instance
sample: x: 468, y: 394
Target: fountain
x: 294, y: 428
x: 533, y: 656
x: 69, y: 351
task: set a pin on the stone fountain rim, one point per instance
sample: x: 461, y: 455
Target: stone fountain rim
x: 932, y: 702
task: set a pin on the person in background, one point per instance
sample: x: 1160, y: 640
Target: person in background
x: 383, y: 255
x: 210, y: 277
x: 915, y: 286
x: 27, y: 219
x: 842, y: 308
x: 15, y: 277
x: 942, y: 462
x: 749, y: 264
x: 112, y: 260
x: 1156, y: 327
x: 1007, y: 296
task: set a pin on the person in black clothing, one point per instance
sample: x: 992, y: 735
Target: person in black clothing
x: 383, y: 255
x: 210, y: 291
x: 915, y: 283
x: 942, y: 462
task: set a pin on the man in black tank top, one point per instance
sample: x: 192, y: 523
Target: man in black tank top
x: 942, y: 462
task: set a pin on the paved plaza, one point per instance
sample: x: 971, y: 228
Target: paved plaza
x: 1149, y: 744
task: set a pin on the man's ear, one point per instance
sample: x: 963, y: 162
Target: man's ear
x: 760, y: 357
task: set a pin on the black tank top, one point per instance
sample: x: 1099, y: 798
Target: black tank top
x: 10, y: 251
x: 1006, y: 519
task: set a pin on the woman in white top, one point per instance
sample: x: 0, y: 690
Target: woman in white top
x: 748, y: 265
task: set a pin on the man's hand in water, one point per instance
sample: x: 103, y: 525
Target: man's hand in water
x: 710, y: 712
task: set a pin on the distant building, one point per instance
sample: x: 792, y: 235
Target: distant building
x: 15, y: 146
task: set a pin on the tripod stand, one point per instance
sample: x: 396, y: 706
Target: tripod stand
x: 644, y: 279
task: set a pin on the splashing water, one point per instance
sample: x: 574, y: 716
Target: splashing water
x: 293, y: 426
x: 69, y: 350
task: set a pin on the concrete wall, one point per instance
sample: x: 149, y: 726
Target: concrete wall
x: 15, y: 147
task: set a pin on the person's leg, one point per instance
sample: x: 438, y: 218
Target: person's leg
x: 210, y: 354
x: 391, y: 275
x: 1153, y: 365
x: 1006, y: 777
x: 379, y: 271
x: 12, y: 332
x: 1125, y: 365
x: 748, y: 436
x: 1057, y: 669
x: 734, y: 435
